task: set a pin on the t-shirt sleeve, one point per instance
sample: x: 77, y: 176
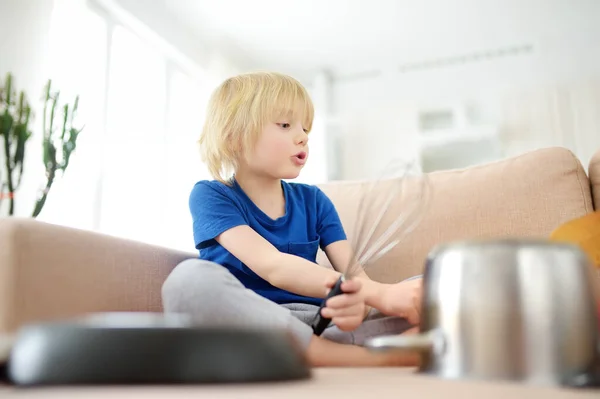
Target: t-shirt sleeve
x: 329, y: 225
x: 213, y: 213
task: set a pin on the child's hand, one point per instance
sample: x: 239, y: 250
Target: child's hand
x: 347, y: 310
x: 404, y: 300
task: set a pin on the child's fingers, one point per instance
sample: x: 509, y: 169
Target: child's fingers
x: 344, y: 301
x: 413, y: 317
x: 354, y: 310
x: 331, y: 282
x: 351, y: 286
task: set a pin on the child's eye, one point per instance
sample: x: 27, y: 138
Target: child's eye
x: 284, y: 125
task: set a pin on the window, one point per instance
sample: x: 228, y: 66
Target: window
x: 134, y: 146
x: 137, y: 158
x: 77, y: 67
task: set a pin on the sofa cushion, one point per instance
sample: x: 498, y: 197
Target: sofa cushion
x: 523, y: 196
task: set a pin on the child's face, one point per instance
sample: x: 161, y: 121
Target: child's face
x: 281, y: 150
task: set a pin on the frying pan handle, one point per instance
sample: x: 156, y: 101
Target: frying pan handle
x: 424, y: 342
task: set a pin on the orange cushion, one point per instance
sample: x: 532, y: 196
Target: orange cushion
x: 584, y: 232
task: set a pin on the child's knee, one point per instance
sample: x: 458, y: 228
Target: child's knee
x: 191, y: 283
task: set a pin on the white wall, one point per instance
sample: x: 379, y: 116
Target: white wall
x: 24, y: 27
x: 550, y: 96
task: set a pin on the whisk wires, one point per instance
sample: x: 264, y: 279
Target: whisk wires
x: 394, y: 175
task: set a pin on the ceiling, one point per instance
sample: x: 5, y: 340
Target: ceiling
x: 350, y: 37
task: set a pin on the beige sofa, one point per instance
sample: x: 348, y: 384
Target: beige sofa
x: 48, y: 271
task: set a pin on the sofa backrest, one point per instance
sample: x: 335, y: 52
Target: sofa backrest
x: 523, y: 196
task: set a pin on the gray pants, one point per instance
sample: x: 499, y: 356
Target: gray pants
x: 211, y: 295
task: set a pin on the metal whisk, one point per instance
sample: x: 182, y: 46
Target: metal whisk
x: 366, y: 245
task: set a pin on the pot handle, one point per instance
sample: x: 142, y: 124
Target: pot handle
x: 589, y: 379
x: 424, y: 342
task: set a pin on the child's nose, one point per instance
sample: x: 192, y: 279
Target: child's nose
x: 302, y: 137
x: 303, y: 140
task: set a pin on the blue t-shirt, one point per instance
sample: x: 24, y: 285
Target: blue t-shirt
x: 310, y: 221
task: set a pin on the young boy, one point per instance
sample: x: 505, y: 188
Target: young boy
x: 258, y: 235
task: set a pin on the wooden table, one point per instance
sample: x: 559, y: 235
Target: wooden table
x: 326, y: 383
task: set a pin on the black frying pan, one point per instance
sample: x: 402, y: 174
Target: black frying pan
x: 150, y: 349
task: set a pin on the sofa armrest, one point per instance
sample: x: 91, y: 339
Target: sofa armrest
x: 49, y: 271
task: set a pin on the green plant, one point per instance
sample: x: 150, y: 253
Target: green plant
x: 58, y: 144
x: 14, y: 132
x: 59, y: 139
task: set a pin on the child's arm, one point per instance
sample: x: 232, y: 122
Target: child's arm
x: 289, y: 272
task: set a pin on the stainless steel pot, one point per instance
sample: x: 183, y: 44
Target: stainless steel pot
x: 507, y: 310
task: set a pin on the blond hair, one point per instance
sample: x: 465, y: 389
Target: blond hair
x: 239, y: 109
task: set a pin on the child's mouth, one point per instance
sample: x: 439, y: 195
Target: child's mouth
x: 300, y: 158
